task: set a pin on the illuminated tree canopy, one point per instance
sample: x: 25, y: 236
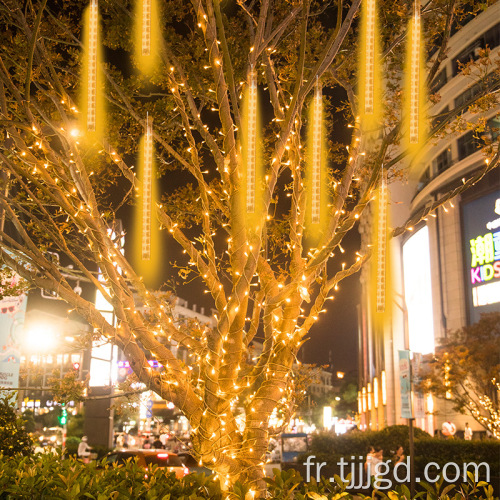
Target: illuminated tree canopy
x: 466, y: 369
x: 268, y: 268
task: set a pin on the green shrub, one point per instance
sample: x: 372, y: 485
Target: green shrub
x: 72, y: 443
x: 443, y: 451
x: 52, y: 477
x: 13, y: 436
x: 331, y: 448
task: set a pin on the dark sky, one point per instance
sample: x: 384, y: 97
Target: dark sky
x: 335, y: 335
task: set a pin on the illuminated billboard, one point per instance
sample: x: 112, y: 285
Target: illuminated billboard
x: 481, y: 241
x: 418, y: 291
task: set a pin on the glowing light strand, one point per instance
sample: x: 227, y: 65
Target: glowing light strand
x: 382, y: 242
x: 415, y: 73
x: 147, y: 191
x: 146, y: 27
x: 92, y: 74
x: 370, y: 56
x: 316, y: 156
x: 251, y: 141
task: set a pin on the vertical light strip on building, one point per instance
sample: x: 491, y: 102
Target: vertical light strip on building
x: 375, y: 392
x: 381, y: 242
x: 147, y: 191
x: 146, y: 27
x: 415, y: 73
x: 251, y: 142
x: 370, y: 56
x: 92, y: 74
x: 316, y: 156
x: 383, y: 383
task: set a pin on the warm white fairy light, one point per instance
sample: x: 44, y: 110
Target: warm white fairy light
x: 251, y: 141
x: 146, y: 190
x: 146, y: 27
x: 381, y: 242
x: 92, y: 74
x: 415, y: 73
x: 370, y: 56
x: 316, y: 156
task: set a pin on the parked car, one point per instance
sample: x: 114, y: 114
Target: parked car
x: 190, y: 462
x: 146, y: 458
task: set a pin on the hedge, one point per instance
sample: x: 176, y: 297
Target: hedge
x: 331, y: 448
x: 52, y: 477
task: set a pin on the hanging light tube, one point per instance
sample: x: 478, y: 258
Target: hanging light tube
x: 415, y: 73
x: 146, y: 27
x: 147, y: 190
x: 251, y: 142
x: 92, y: 72
x: 381, y: 242
x: 369, y: 56
x: 316, y: 156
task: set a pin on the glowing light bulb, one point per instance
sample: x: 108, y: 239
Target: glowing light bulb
x: 251, y: 141
x: 415, y: 73
x: 370, y: 55
x: 92, y: 74
x: 146, y: 28
x: 316, y: 156
x: 146, y: 190
x: 381, y: 242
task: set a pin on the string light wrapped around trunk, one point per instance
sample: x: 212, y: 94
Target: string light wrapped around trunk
x: 316, y: 155
x: 382, y: 242
x: 415, y: 73
x: 92, y: 66
x: 251, y: 142
x: 146, y: 28
x: 370, y: 56
x: 147, y: 184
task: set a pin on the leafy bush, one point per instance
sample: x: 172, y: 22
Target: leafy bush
x: 13, y: 436
x: 444, y: 451
x: 331, y: 448
x: 51, y: 476
x: 72, y: 443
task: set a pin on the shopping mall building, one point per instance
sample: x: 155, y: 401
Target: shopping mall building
x: 445, y: 272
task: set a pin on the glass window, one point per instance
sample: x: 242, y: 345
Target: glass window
x: 424, y: 179
x: 439, y: 81
x: 439, y: 117
x: 468, y: 54
x: 442, y: 161
x: 468, y: 144
x: 490, y: 38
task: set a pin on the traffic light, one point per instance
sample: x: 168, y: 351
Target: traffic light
x: 63, y: 418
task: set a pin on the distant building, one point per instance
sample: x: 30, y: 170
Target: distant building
x: 446, y: 271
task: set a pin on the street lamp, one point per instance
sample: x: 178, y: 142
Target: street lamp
x: 40, y: 338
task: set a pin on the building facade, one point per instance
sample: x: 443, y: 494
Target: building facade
x: 444, y: 272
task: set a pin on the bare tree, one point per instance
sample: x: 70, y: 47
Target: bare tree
x: 268, y: 275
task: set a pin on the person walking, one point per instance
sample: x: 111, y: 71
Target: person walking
x: 368, y: 461
x: 467, y: 432
x: 84, y: 450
